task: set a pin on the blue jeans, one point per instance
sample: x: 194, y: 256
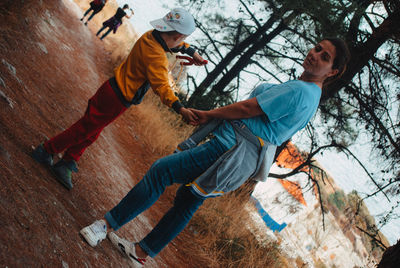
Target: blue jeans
x: 182, y: 168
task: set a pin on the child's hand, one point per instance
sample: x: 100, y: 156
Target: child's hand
x: 202, y: 116
x: 198, y: 60
x: 188, y: 116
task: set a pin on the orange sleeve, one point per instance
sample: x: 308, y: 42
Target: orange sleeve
x: 157, y: 74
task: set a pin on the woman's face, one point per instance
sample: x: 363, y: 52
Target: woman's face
x: 319, y: 60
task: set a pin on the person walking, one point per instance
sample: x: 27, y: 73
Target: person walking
x: 146, y: 66
x: 245, y: 137
x: 115, y: 21
x: 96, y: 6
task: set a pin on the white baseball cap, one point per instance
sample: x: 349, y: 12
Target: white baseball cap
x: 178, y: 20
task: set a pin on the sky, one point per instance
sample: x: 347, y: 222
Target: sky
x: 347, y: 174
x: 145, y: 11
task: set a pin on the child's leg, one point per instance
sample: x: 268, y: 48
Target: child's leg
x: 173, y: 222
x: 91, y: 16
x: 181, y: 168
x: 104, y: 35
x: 75, y: 152
x: 103, y: 108
x: 87, y: 12
x: 101, y: 29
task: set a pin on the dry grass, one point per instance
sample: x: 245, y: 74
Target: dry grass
x: 162, y: 128
x: 220, y: 231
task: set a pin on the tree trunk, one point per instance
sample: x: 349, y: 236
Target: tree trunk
x: 391, y: 257
x: 361, y: 54
x: 244, y: 60
x: 217, y: 71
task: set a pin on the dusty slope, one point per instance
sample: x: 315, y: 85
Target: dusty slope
x: 50, y: 64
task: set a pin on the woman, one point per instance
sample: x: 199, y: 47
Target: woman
x: 115, y: 21
x: 271, y: 115
x: 95, y: 6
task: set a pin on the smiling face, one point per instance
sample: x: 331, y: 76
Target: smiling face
x: 318, y: 63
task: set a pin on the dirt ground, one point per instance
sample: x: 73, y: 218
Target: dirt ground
x: 51, y: 64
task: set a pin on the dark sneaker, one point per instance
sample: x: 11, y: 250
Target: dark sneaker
x: 95, y: 233
x: 63, y: 172
x: 42, y: 156
x: 126, y: 248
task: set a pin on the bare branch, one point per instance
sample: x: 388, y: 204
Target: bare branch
x: 373, y: 238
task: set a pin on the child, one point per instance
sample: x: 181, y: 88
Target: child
x: 115, y: 21
x: 96, y: 6
x: 145, y: 67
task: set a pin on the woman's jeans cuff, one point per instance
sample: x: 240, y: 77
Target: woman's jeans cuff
x: 111, y: 221
x: 146, y: 249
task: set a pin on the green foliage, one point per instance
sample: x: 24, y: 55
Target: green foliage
x: 363, y: 102
x: 338, y: 199
x: 340, y: 121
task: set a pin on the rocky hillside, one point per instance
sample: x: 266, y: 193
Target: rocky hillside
x: 336, y: 238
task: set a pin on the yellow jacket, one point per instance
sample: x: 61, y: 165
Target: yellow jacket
x: 147, y: 66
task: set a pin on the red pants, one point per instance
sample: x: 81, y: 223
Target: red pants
x: 103, y: 108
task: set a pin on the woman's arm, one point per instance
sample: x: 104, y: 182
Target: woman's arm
x: 242, y: 109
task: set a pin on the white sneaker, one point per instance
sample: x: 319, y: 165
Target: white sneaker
x: 95, y: 233
x: 126, y: 248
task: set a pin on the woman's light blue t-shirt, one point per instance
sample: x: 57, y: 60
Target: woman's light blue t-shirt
x: 288, y: 107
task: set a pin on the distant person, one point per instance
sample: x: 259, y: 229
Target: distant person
x: 146, y: 66
x: 115, y: 21
x: 96, y: 6
x: 245, y: 137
